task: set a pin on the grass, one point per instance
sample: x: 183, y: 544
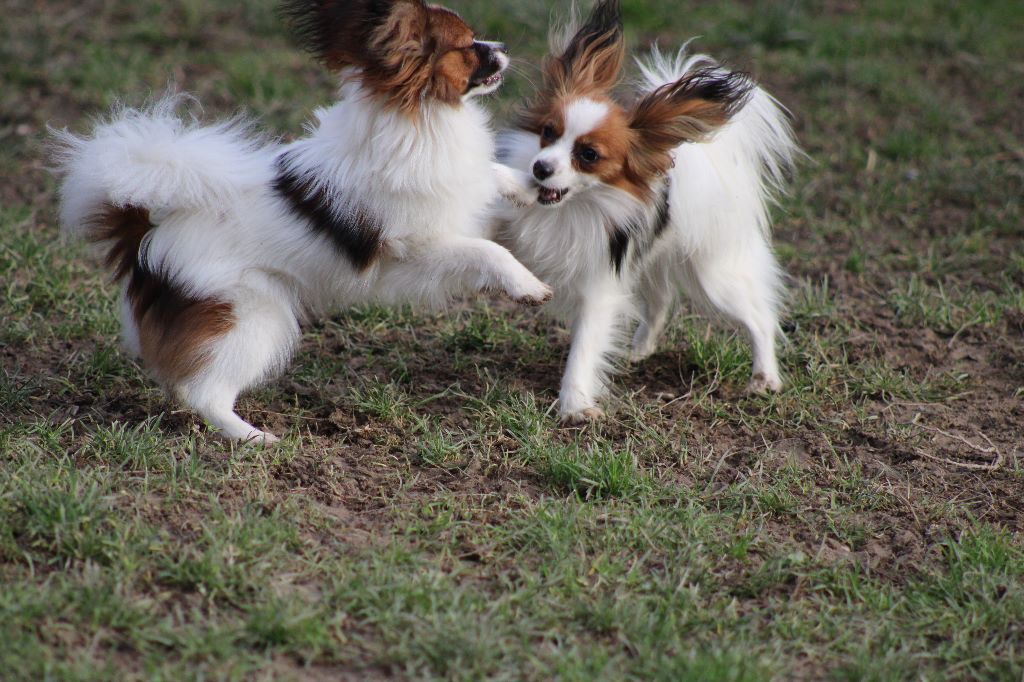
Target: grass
x: 425, y: 517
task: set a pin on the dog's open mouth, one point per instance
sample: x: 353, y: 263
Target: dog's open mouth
x: 549, y: 197
x: 492, y: 80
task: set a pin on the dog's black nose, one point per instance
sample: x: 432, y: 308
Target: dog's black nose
x: 542, y: 171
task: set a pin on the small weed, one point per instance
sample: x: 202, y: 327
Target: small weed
x: 64, y: 515
x: 386, y: 402
x: 288, y: 626
x: 440, y: 448
x: 715, y: 355
x: 595, y: 472
x: 952, y: 312
x: 139, y: 448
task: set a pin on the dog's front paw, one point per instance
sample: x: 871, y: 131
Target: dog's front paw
x: 515, y: 186
x: 536, y: 294
x: 260, y: 438
x: 587, y: 415
x: 519, y: 199
x: 763, y: 384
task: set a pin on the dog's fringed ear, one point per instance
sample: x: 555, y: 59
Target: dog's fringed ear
x: 590, y: 59
x: 344, y: 33
x: 687, y: 110
x: 403, y: 30
x: 584, y: 60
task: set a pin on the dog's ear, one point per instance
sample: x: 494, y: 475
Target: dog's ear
x: 687, y: 110
x: 343, y: 33
x: 589, y: 58
x: 584, y: 60
x: 403, y: 30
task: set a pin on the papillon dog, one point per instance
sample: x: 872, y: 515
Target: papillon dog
x: 223, y: 241
x: 638, y: 202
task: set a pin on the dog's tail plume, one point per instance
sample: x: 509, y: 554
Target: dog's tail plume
x: 151, y: 160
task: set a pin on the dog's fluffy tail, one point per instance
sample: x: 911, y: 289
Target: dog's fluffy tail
x: 761, y: 129
x: 152, y: 160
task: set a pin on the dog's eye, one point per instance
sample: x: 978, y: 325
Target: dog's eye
x: 548, y: 133
x: 588, y: 155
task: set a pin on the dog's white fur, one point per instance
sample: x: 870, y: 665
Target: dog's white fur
x: 716, y: 247
x: 222, y: 232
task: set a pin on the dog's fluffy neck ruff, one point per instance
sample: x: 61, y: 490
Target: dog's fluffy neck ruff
x: 364, y: 146
x: 570, y: 246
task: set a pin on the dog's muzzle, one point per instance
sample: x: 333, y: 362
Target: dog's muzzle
x: 493, y: 61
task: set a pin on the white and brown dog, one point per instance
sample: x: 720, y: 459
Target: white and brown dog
x: 637, y: 202
x: 223, y: 242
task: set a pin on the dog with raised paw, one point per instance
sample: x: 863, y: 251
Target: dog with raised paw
x: 223, y: 241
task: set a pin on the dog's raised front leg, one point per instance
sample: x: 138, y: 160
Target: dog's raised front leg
x: 452, y: 265
x: 515, y: 185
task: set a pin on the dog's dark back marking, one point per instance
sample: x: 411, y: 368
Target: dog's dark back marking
x: 175, y: 327
x: 357, y: 235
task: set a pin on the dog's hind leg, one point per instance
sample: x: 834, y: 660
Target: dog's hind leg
x: 656, y: 292
x: 258, y: 345
x: 744, y: 284
x: 216, y: 405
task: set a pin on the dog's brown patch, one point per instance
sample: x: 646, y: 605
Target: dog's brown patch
x: 405, y: 50
x: 448, y: 30
x: 589, y: 66
x: 175, y: 327
x: 549, y: 125
x: 422, y: 50
x: 633, y: 147
x: 452, y: 73
x: 122, y: 229
x: 397, y: 68
x: 612, y: 141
